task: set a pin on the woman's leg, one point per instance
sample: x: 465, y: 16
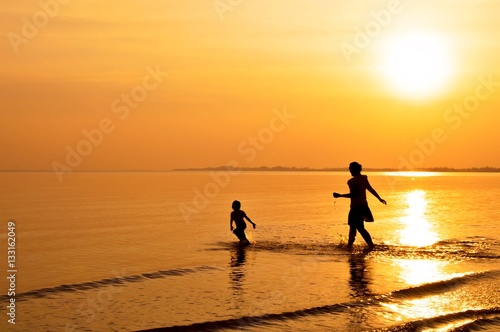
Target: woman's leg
x: 352, y: 235
x: 366, y: 236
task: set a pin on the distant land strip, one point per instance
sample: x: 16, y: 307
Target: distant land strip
x: 485, y: 169
x: 337, y: 169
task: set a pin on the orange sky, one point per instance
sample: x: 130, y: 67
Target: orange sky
x: 171, y: 84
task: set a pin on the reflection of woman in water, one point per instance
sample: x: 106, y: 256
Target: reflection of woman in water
x: 239, y: 216
x: 360, y: 278
x: 359, y: 282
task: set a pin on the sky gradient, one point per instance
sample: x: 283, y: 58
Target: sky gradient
x: 157, y: 85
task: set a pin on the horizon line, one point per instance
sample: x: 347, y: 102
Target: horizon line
x: 270, y: 168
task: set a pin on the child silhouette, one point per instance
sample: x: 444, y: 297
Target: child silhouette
x: 239, y: 216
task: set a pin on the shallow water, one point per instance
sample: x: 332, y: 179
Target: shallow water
x: 138, y: 251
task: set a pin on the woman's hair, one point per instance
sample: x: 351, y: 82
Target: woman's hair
x: 355, y: 167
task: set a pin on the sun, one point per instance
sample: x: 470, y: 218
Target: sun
x: 416, y: 64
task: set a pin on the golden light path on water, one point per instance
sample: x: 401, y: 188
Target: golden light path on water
x: 421, y: 271
x: 417, y: 231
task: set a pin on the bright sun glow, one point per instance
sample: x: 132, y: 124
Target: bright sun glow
x: 416, y: 64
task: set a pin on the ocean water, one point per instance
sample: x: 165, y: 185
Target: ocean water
x: 146, y: 251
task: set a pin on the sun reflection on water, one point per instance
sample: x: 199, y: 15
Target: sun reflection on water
x: 428, y: 307
x: 421, y: 304
x: 417, y: 308
x: 413, y: 174
x: 415, y: 272
x: 419, y: 267
x: 417, y: 230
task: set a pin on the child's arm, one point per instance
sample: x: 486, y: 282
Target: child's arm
x: 231, y: 223
x: 337, y: 195
x: 374, y: 193
x: 253, y: 224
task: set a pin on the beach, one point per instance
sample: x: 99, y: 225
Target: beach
x: 138, y: 251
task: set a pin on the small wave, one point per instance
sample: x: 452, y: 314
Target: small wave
x: 480, y: 325
x: 249, y: 321
x: 117, y: 281
x: 470, y: 248
x: 482, y: 317
x: 282, y: 246
x: 443, y: 285
x: 464, y: 321
x: 339, y: 308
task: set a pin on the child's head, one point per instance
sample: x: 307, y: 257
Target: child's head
x: 355, y: 168
x: 236, y: 205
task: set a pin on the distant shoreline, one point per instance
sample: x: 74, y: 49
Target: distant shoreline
x: 277, y: 169
x: 338, y: 169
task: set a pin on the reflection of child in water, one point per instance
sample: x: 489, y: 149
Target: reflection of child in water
x: 238, y: 217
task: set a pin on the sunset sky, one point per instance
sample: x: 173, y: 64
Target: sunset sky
x: 163, y: 84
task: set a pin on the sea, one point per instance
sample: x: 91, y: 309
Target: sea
x: 153, y: 251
